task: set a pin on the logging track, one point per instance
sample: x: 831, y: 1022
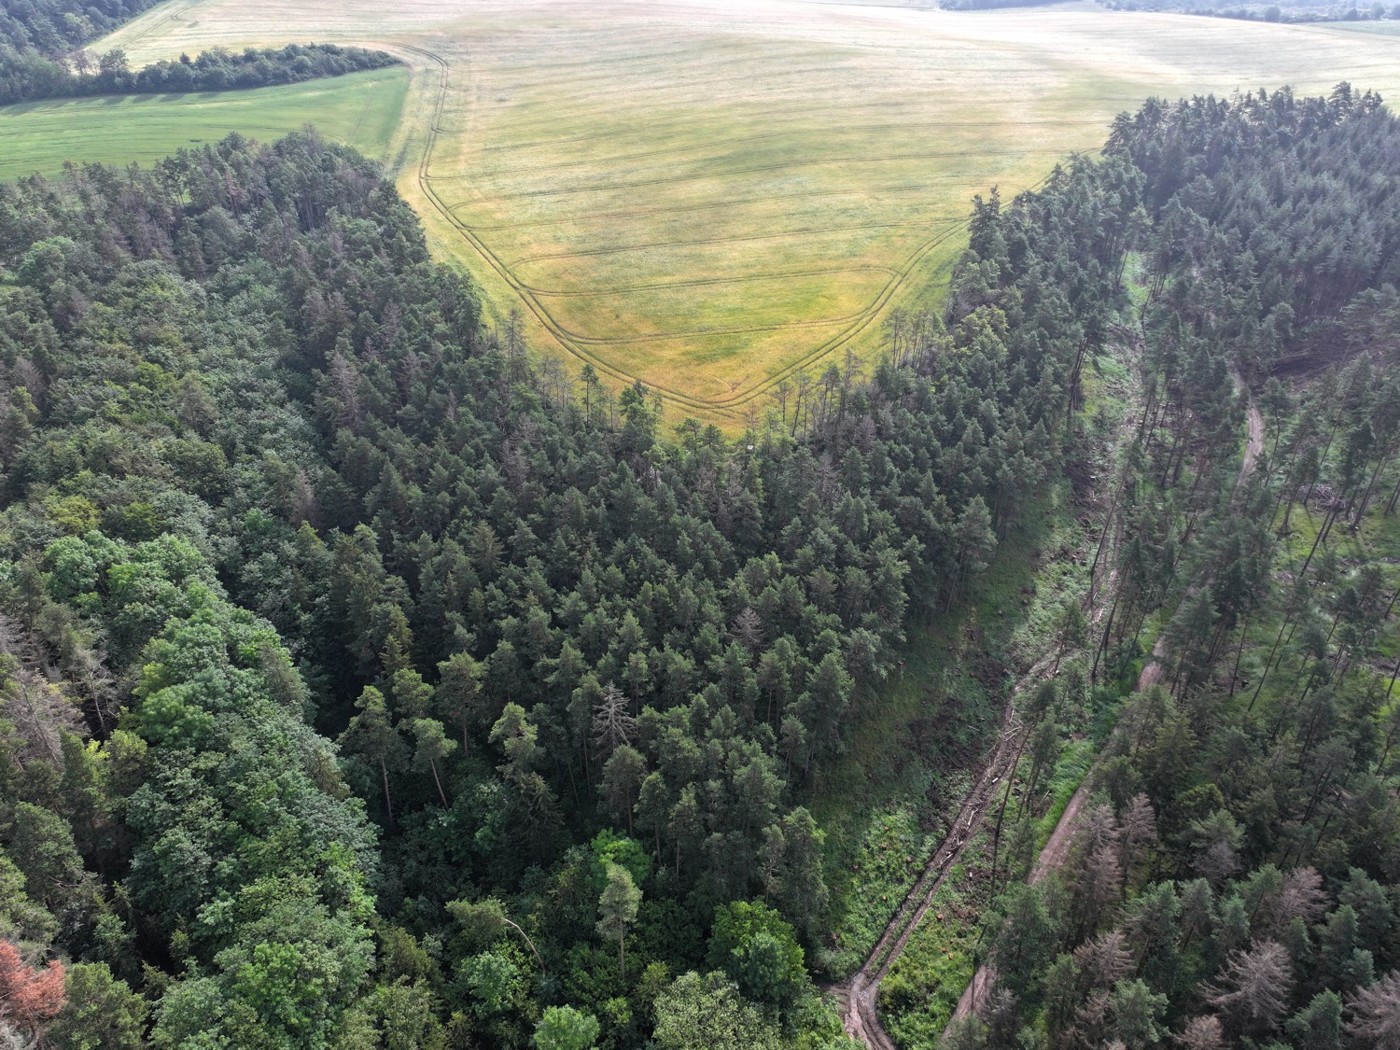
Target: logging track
x: 1056, y: 849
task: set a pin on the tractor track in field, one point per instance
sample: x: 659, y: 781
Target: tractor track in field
x: 620, y: 249
x: 699, y: 282
x: 714, y: 146
x: 725, y: 406
x: 172, y: 14
x: 576, y: 344
x: 646, y: 212
x: 728, y: 406
x: 434, y: 129
x: 753, y: 169
x: 919, y: 125
x: 798, y: 113
x: 703, y: 333
x: 566, y: 339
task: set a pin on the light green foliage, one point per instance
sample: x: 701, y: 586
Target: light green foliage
x: 101, y: 1012
x: 482, y: 922
x: 707, y: 1013
x: 564, y: 1028
x: 493, y: 981
x: 611, y: 848
x: 458, y: 698
x: 617, y: 908
x: 756, y: 948
x: 517, y: 738
x: 298, y: 954
x: 397, y: 1016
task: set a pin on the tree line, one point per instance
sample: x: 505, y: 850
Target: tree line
x: 27, y: 77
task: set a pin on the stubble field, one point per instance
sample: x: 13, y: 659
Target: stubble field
x: 710, y: 195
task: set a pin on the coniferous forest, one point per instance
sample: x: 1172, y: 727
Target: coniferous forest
x: 1233, y: 881
x: 369, y: 681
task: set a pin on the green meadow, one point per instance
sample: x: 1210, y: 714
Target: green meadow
x: 362, y: 109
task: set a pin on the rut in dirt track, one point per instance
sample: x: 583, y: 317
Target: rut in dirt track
x: 858, y: 993
x: 1056, y: 850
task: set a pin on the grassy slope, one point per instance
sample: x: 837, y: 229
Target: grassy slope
x: 924, y: 984
x: 362, y: 109
x: 647, y: 179
x: 911, y: 754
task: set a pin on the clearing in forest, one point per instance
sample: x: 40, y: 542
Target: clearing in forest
x: 711, y: 195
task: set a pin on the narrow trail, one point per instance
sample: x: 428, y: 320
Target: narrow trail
x: 1056, y: 849
x: 859, y: 993
x: 1254, y: 442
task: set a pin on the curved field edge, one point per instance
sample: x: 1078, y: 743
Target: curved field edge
x: 519, y: 131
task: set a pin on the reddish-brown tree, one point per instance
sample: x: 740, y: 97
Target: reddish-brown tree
x: 29, y: 997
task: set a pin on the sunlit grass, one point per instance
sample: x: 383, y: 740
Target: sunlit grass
x: 362, y: 110
x: 922, y: 988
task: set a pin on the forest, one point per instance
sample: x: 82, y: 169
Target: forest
x: 1234, y: 880
x: 578, y: 673
x: 368, y: 680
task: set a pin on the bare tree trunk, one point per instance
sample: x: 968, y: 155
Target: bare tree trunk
x: 438, y: 781
x: 388, y: 801
x: 1005, y: 798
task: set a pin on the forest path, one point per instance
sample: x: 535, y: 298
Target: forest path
x: 1056, y: 849
x: 1254, y: 442
x: 859, y: 992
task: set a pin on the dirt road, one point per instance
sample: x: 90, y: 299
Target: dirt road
x: 1056, y: 850
x: 859, y: 992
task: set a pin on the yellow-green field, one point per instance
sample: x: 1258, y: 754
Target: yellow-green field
x: 708, y: 195
x: 363, y: 109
